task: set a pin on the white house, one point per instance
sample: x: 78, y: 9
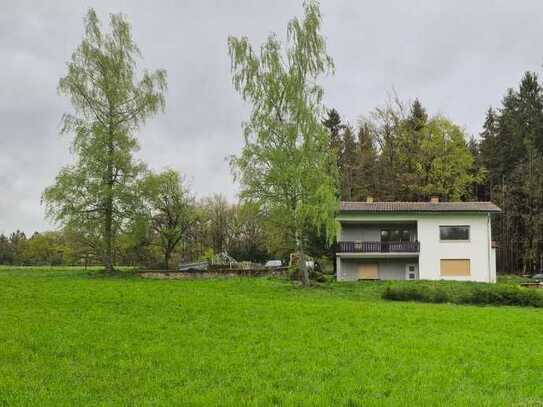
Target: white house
x: 416, y: 240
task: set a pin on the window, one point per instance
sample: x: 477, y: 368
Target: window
x: 368, y: 271
x: 455, y: 267
x: 454, y: 232
x: 395, y: 235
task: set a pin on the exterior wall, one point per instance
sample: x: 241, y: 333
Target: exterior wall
x: 389, y: 269
x: 478, y: 249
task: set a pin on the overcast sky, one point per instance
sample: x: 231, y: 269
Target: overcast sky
x: 458, y: 57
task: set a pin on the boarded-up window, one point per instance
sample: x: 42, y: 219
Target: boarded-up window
x: 455, y: 267
x: 368, y: 271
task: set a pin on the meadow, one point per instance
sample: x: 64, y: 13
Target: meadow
x: 74, y: 336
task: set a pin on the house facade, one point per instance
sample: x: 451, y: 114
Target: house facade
x: 416, y: 240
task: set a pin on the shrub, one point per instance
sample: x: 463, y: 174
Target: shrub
x: 506, y: 295
x: 465, y: 293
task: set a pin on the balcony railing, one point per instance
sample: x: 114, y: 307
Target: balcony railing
x: 378, y: 247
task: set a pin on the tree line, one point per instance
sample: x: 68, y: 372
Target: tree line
x: 510, y: 149
x: 400, y: 153
x: 298, y: 161
x: 209, y: 226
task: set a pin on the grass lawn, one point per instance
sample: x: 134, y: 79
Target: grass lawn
x: 74, y: 337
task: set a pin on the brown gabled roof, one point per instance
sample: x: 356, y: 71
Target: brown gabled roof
x: 418, y: 207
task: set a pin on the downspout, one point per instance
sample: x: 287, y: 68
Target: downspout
x: 338, y: 258
x: 489, y: 249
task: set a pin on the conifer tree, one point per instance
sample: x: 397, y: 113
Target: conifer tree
x: 511, y: 151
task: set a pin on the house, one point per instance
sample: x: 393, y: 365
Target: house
x: 416, y: 240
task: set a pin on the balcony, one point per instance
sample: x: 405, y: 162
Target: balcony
x: 378, y: 247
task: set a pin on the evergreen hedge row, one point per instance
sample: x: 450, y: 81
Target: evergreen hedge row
x: 466, y: 293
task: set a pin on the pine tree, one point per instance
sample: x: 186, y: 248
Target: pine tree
x: 365, y: 176
x: 418, y: 116
x: 511, y: 150
x: 334, y: 125
x: 347, y: 164
x: 411, y: 133
x: 488, y: 148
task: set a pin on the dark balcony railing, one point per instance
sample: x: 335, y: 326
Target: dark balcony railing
x: 378, y: 247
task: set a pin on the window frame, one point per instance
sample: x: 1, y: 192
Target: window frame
x: 455, y: 240
x: 400, y: 231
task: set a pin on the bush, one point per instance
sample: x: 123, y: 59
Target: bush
x: 506, y: 295
x: 465, y: 293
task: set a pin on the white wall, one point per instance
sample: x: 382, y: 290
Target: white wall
x: 477, y: 249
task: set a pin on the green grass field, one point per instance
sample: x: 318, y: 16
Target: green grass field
x: 70, y: 337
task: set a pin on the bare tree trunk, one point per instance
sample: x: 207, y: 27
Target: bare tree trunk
x: 167, y: 254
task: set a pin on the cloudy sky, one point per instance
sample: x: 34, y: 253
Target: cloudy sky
x: 458, y: 57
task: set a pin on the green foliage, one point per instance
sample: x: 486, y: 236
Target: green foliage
x: 286, y: 166
x: 7, y: 251
x: 246, y: 236
x: 208, y: 255
x: 403, y: 154
x: 71, y: 337
x: 96, y: 194
x: 418, y: 155
x: 465, y: 293
x: 511, y: 150
x: 50, y: 248
x: 334, y: 125
x: 215, y: 212
x: 445, y: 162
x: 47, y: 248
x: 166, y: 213
x: 169, y: 208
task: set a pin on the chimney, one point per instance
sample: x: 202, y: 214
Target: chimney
x: 369, y: 199
x: 434, y: 199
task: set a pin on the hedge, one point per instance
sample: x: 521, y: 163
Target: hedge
x: 466, y: 293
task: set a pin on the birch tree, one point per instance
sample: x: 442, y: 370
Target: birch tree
x: 110, y: 103
x: 286, y: 166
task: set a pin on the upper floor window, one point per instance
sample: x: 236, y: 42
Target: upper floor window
x: 395, y: 235
x: 454, y: 232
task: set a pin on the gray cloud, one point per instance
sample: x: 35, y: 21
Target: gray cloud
x: 457, y: 57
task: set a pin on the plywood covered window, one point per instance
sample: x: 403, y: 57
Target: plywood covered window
x: 368, y: 271
x: 455, y: 267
